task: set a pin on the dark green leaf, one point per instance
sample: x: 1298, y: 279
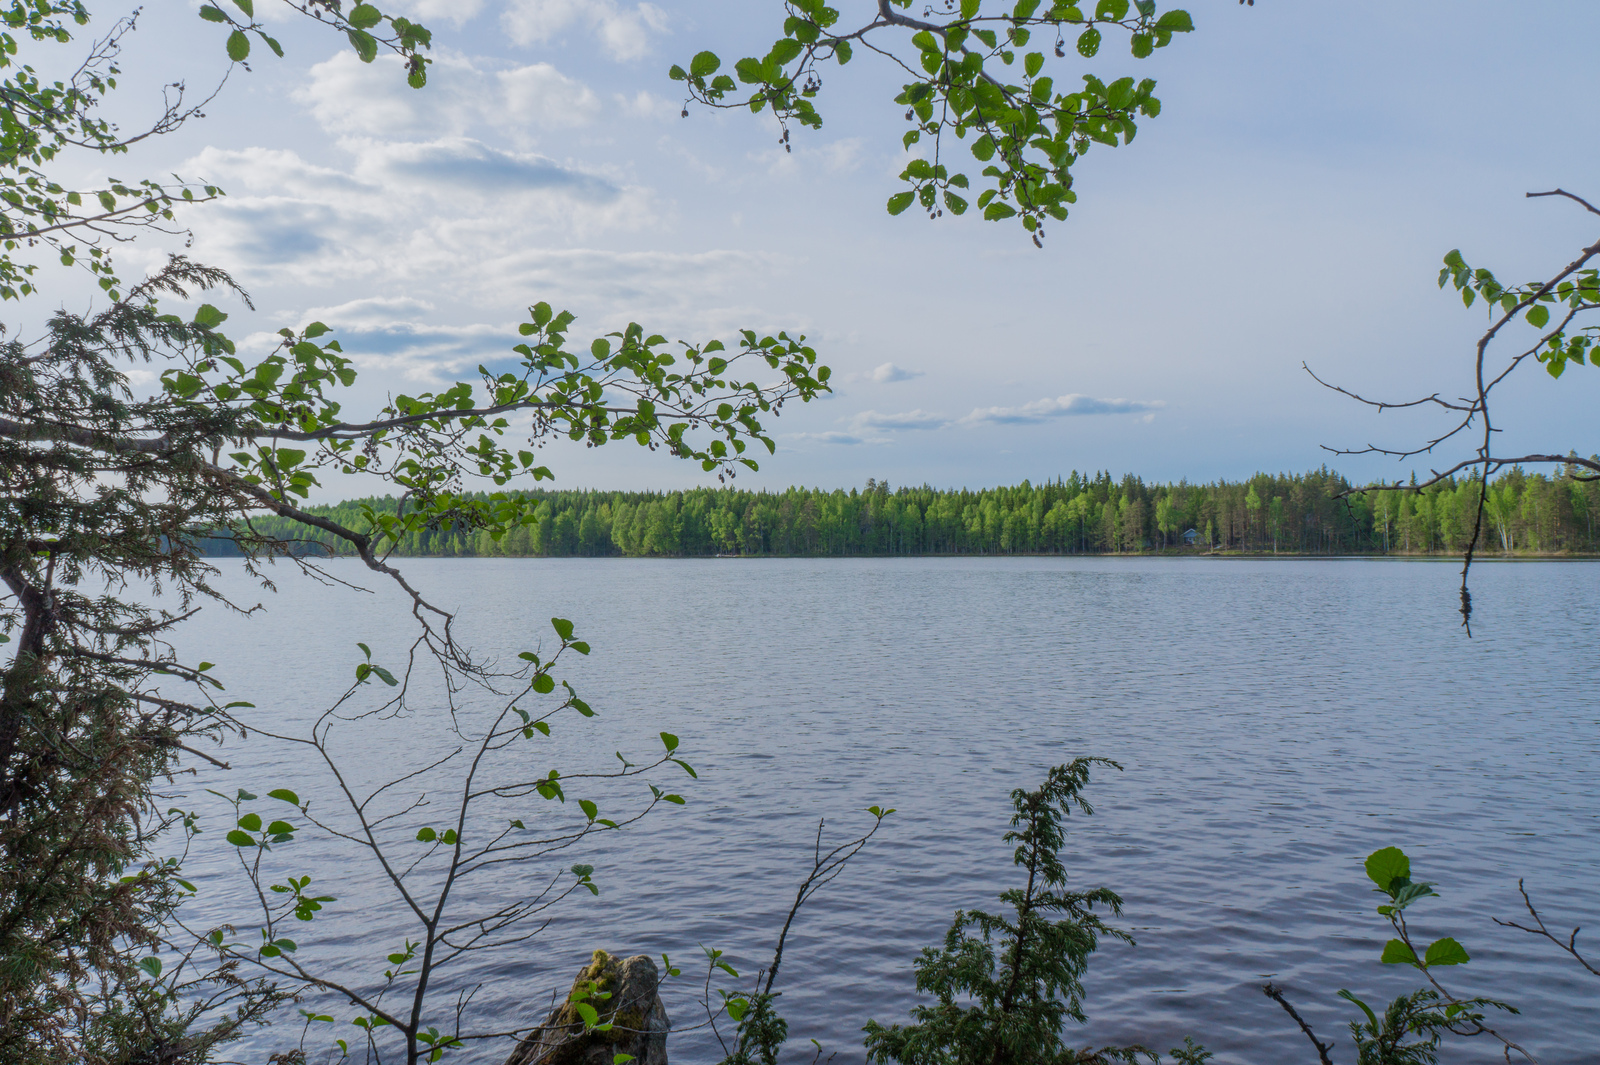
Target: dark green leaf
x: 208, y: 317
x: 365, y: 44
x: 785, y: 50
x: 704, y: 64
x: 1445, y: 951
x: 1386, y: 866
x: 365, y: 16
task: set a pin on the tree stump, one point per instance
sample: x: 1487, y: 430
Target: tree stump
x: 638, y: 1019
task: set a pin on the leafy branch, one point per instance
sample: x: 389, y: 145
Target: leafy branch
x: 1026, y: 132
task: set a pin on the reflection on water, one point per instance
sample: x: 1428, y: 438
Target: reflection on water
x: 1277, y: 721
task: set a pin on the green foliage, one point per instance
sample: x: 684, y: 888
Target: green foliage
x: 1573, y: 293
x: 1025, y: 132
x: 105, y: 487
x: 1410, y: 1029
x: 396, y: 1004
x: 1007, y: 983
x: 1078, y: 515
x: 365, y: 27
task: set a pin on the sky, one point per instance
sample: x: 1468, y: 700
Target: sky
x: 1291, y: 204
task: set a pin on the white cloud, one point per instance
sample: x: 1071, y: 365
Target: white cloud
x: 543, y: 93
x: 457, y: 12
x: 648, y: 106
x: 453, y: 215
x: 889, y: 373
x: 847, y: 439
x: 459, y: 165
x: 623, y: 32
x: 350, y: 98
x: 1059, y: 407
x: 914, y: 419
x: 842, y: 156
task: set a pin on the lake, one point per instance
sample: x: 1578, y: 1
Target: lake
x: 1277, y: 720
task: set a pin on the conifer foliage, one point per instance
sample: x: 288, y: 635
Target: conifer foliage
x: 1007, y: 983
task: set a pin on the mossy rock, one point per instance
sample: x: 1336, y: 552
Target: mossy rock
x: 633, y: 1009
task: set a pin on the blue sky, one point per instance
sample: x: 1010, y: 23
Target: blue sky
x: 1311, y: 164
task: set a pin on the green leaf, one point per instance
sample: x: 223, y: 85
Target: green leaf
x: 365, y: 44
x: 240, y: 839
x: 1348, y: 997
x: 669, y: 741
x: 284, y: 795
x: 238, y: 46
x: 749, y: 70
x: 563, y: 627
x: 1175, y: 21
x: 900, y: 201
x: 543, y: 684
x: 1386, y: 866
x: 704, y: 64
x: 1033, y: 63
x: 785, y: 50
x: 426, y: 835
x: 1538, y: 315
x: 247, y: 6
x: 280, y: 828
x: 1397, y: 953
x: 208, y: 317
x: 1089, y: 42
x: 250, y: 822
x: 365, y: 16
x: 1120, y: 93
x: 1445, y: 951
x: 151, y: 966
x: 590, y: 810
x: 212, y: 13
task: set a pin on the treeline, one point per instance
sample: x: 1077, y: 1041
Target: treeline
x: 1286, y: 513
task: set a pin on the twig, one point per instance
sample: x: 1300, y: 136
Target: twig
x: 1571, y: 945
x: 1272, y: 991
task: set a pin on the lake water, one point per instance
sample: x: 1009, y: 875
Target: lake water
x: 1276, y: 720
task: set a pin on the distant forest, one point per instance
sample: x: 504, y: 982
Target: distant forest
x: 1299, y: 513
